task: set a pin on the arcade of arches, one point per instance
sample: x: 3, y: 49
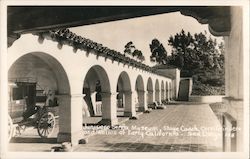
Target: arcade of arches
x: 87, y: 87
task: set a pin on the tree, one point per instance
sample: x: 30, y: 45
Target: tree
x: 194, y: 53
x: 137, y: 53
x: 159, y: 53
x: 183, y: 51
x: 222, y: 48
x: 131, y: 50
x: 198, y: 56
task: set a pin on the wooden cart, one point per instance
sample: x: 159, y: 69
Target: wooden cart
x: 30, y: 107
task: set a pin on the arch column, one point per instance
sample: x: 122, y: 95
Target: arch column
x: 109, y: 109
x: 70, y: 123
x: 129, y: 108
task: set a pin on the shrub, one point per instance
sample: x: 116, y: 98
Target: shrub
x: 205, y: 89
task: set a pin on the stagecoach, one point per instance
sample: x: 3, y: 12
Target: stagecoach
x: 30, y: 106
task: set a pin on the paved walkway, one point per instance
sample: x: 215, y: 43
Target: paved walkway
x: 178, y: 128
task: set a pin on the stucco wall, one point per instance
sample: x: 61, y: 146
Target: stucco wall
x: 234, y: 61
x: 206, y: 99
x: 234, y: 56
x: 185, y: 88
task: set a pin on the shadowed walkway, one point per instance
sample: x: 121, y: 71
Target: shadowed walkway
x: 197, y: 124
x: 178, y: 128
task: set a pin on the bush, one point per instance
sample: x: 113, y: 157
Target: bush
x: 215, y: 82
x: 205, y: 89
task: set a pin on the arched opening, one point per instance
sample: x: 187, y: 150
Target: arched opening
x: 37, y: 80
x: 97, y: 94
x: 162, y: 91
x: 150, y: 91
x: 157, y: 91
x: 140, y: 94
x: 124, y: 98
x: 44, y: 68
x: 167, y: 91
x: 170, y: 91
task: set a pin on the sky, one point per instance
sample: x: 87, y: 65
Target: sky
x: 141, y: 31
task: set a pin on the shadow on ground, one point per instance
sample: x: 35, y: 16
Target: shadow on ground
x: 145, y: 147
x: 33, y: 140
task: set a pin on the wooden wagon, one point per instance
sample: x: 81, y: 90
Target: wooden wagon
x: 29, y: 106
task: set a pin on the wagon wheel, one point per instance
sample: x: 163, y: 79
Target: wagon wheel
x: 10, y: 128
x: 20, y: 129
x: 46, y: 125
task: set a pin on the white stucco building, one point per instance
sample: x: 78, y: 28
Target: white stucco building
x: 85, y: 77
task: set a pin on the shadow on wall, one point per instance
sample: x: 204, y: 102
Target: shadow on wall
x: 89, y: 103
x: 185, y: 89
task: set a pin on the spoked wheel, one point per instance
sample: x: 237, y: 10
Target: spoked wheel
x: 10, y: 128
x: 20, y: 129
x: 46, y: 125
